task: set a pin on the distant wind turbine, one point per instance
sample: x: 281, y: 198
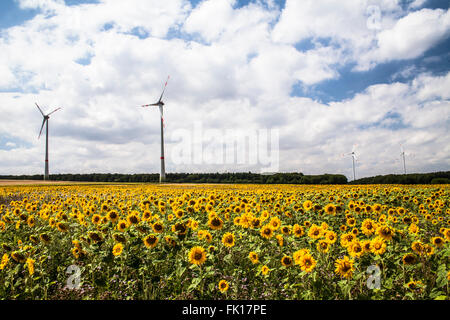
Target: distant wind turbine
x: 354, y: 158
x: 160, y: 104
x: 403, y: 155
x: 45, y: 121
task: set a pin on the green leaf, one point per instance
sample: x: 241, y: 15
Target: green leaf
x: 441, y: 279
x: 194, y: 284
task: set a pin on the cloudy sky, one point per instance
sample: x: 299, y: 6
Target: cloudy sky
x: 324, y: 75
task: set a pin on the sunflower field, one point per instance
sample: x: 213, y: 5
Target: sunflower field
x: 224, y: 242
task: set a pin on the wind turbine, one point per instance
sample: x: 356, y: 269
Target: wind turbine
x: 354, y: 158
x: 403, y: 155
x: 45, y: 121
x: 160, y: 104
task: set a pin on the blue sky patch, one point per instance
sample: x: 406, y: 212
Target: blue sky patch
x: 8, y: 142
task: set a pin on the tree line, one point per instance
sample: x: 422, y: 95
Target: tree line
x: 442, y: 177
x: 238, y: 177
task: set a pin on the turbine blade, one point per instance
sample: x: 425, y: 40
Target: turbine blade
x: 42, y: 127
x: 165, y: 85
x: 39, y: 109
x: 54, y: 111
x: 354, y: 147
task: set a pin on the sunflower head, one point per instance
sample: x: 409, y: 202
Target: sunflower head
x: 344, y: 267
x: 150, y: 241
x: 197, y: 255
x: 228, y: 239
x: 286, y: 261
x: 117, y: 249
x: 253, y: 256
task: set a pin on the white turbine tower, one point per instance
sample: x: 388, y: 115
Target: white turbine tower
x: 402, y: 153
x: 160, y: 104
x: 354, y: 159
x: 45, y: 121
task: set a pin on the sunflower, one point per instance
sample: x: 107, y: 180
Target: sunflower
x: 96, y: 218
x: 30, y: 264
x: 172, y: 242
x: 180, y: 229
x: 151, y: 241
x: 112, y: 216
x: 265, y: 270
x: 446, y: 233
x: 366, y: 245
x: 286, y: 230
x: 18, y: 257
x: 347, y: 238
x: 280, y: 239
x: 355, y: 249
x: 330, y: 236
x: 378, y: 246
x: 4, y: 261
x: 414, y: 285
x: 223, y: 286
x: 409, y: 259
x: 215, y: 223
x: 330, y: 209
x: 77, y: 252
x: 94, y: 236
x: 158, y: 227
x: 297, y: 230
x: 344, y: 267
x: 385, y: 232
x: 228, y: 239
x: 286, y: 261
x: 315, y: 232
x: 45, y: 238
x: 31, y: 221
x: 179, y: 213
x: 323, y: 246
x: 34, y: 239
x: 117, y: 249
x: 368, y: 227
x: 351, y: 222
x: 62, y: 227
x: 122, y: 225
x: 418, y: 247
x: 253, y: 256
x: 298, y: 254
x: 429, y: 250
x: 266, y: 232
x: 438, y: 241
x: 197, y: 255
x: 307, y: 263
x: 132, y: 218
x: 413, y: 228
x: 275, y: 223
x: 255, y: 223
x: 307, y: 205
